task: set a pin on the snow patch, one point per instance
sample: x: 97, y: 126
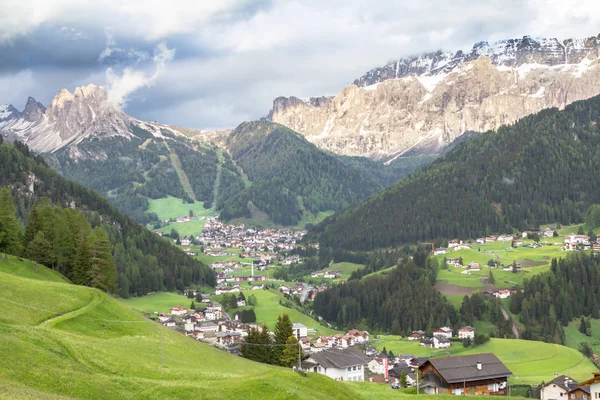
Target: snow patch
x: 430, y: 82
x: 583, y: 67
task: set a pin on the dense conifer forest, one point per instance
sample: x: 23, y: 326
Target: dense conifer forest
x: 266, y: 151
x: 59, y: 236
x: 539, y: 170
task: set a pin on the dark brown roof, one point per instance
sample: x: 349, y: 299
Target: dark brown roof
x: 464, y: 368
x: 340, y: 358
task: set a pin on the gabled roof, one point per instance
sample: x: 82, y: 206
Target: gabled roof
x: 563, y: 381
x: 464, y: 368
x: 340, y: 358
x: 595, y: 379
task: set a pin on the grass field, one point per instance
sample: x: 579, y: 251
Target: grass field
x: 172, y: 207
x: 63, y: 341
x: 191, y: 228
x: 574, y: 337
x: 25, y: 268
x: 530, y: 362
x: 161, y: 302
x: 268, y: 309
x: 309, y: 218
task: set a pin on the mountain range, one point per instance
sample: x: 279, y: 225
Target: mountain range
x: 422, y: 103
x: 91, y: 140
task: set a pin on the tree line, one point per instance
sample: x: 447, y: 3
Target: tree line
x: 568, y: 291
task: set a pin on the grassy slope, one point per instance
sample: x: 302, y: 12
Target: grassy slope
x: 574, y: 337
x: 268, y: 309
x: 89, y: 346
x: 172, y: 207
x: 25, y: 268
x: 530, y: 362
x: 161, y: 302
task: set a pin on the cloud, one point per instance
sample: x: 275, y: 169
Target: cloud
x: 120, y: 86
x: 235, y: 56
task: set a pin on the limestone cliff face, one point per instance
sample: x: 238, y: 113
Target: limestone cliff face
x: 426, y: 102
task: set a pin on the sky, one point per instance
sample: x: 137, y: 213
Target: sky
x: 214, y: 64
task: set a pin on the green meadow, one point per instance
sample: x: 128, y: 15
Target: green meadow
x: 172, y: 207
x: 160, y: 301
x: 63, y: 341
x: 268, y: 309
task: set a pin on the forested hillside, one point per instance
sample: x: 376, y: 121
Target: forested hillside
x: 402, y: 300
x: 539, y: 170
x: 265, y: 151
x: 129, y: 172
x: 551, y: 300
x: 55, y: 232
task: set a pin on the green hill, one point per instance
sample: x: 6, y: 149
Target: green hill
x: 65, y: 340
x: 144, y: 262
x: 266, y: 151
x: 537, y: 171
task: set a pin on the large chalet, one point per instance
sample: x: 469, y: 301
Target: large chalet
x: 479, y: 374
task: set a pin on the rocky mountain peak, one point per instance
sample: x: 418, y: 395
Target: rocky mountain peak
x: 7, y: 111
x: 33, y: 110
x: 421, y: 103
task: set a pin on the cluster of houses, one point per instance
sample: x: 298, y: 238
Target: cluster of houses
x: 252, y: 241
x: 440, y: 338
x: 566, y: 387
x: 326, y: 274
x: 480, y: 374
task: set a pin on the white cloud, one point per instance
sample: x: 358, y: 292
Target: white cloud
x: 235, y: 56
x: 121, y: 85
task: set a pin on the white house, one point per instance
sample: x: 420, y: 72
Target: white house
x: 342, y: 365
x: 300, y: 330
x: 439, y: 251
x: 178, y: 311
x: 466, y: 332
x: 416, y: 335
x: 502, y: 293
x: 558, y: 388
x: 443, y: 331
x: 437, y: 342
x: 185, y: 242
x: 378, y: 365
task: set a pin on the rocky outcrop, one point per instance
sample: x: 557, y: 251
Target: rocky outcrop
x: 426, y: 102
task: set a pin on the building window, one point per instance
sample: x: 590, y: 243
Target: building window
x: 354, y: 368
x: 349, y: 368
x: 359, y: 367
x: 585, y: 397
x: 572, y: 395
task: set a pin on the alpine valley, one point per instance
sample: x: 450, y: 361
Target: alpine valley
x: 444, y: 204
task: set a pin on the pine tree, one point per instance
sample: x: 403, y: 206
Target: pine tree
x: 491, y: 278
x: 102, y: 274
x: 403, y: 381
x: 290, y: 352
x: 193, y: 305
x: 81, y: 268
x: 10, y: 231
x: 283, y: 330
x: 582, y: 326
x: 39, y: 249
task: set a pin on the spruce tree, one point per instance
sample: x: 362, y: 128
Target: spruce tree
x: 10, y: 231
x: 290, y: 352
x: 82, y: 262
x: 39, y: 249
x: 283, y: 330
x: 102, y: 273
x: 403, y: 382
